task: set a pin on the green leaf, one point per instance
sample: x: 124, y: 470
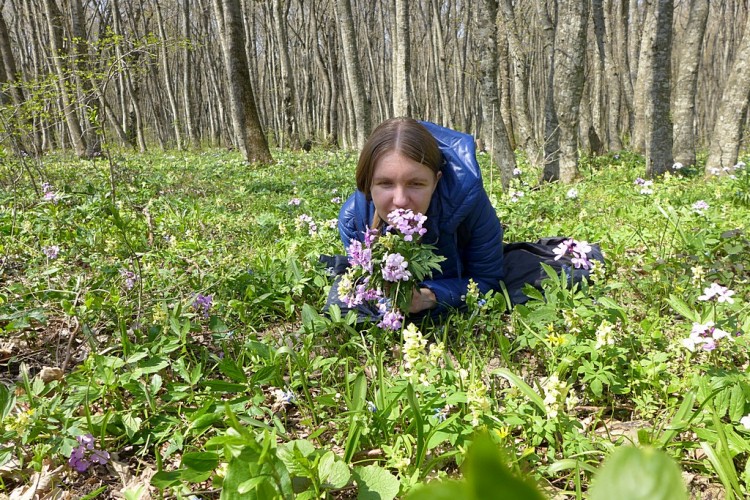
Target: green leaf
x: 375, y: 483
x: 164, y: 479
x: 488, y: 477
x: 359, y: 392
x: 233, y: 371
x: 525, y: 388
x: 203, y: 461
x: 737, y: 403
x: 638, y: 474
x: 418, y: 423
x: 441, y: 490
x: 682, y: 308
x: 7, y: 401
x: 333, y: 472
x: 132, y: 424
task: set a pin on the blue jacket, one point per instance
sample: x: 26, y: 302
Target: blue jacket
x: 461, y: 223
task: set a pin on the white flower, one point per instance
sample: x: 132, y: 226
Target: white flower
x: 677, y: 166
x: 572, y: 193
x: 745, y: 421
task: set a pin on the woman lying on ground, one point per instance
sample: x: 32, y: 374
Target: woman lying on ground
x: 431, y: 170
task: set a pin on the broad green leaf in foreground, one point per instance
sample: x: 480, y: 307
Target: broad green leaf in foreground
x: 375, y: 483
x: 638, y: 474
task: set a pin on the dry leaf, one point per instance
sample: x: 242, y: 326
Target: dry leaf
x: 48, y: 374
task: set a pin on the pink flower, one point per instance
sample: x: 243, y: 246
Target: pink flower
x: 395, y: 268
x: 722, y: 293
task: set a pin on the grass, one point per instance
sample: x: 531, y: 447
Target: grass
x: 256, y: 393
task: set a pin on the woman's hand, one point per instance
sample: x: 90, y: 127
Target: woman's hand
x: 421, y: 299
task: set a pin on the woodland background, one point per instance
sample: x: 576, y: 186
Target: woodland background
x: 546, y: 78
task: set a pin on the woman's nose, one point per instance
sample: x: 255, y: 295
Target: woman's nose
x: 400, y: 199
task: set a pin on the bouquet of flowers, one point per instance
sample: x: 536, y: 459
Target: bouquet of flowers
x: 388, y: 266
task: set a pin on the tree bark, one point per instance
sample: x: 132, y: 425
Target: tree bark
x: 570, y: 53
x: 188, y: 103
x: 288, y: 107
x: 360, y: 102
x: 402, y: 61
x: 168, y: 78
x: 248, y: 133
x: 499, y: 144
x: 658, y: 91
x: 727, y: 133
x: 54, y: 24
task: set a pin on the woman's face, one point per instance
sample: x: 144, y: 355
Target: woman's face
x: 399, y: 182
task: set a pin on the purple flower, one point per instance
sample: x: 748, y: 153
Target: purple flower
x: 517, y: 171
x: 202, y: 304
x: 722, y: 293
x: 51, y: 251
x: 359, y: 256
x: 639, y: 181
x: 407, y: 223
x: 84, y: 455
x: 305, y: 219
x: 336, y: 199
x: 49, y: 193
x: 99, y: 457
x: 395, y: 268
x: 578, y: 250
x: 130, y: 278
x: 699, y: 206
x: 295, y: 202
x: 86, y: 440
x: 391, y: 320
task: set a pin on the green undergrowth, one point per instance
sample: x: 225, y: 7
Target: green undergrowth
x: 169, y: 306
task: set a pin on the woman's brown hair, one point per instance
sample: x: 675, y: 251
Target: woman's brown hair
x: 404, y: 135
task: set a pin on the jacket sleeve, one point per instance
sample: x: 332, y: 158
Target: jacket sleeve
x: 481, y: 256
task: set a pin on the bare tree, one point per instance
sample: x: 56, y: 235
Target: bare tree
x: 288, y: 107
x: 248, y: 133
x: 498, y: 136
x: 658, y: 92
x: 727, y: 134
x: 360, y: 102
x: 569, y: 56
x: 683, y: 107
x: 401, y: 61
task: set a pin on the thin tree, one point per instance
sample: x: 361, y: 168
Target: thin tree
x: 248, y: 134
x: 658, y: 92
x: 402, y: 61
x: 683, y: 105
x: 498, y: 136
x: 727, y: 133
x: 360, y: 101
x: 570, y: 54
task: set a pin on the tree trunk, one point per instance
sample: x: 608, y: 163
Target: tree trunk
x: 402, y: 61
x: 247, y: 130
x: 727, y: 133
x: 524, y: 132
x: 188, y: 102
x: 499, y: 145
x: 360, y: 102
x: 168, y: 78
x: 54, y: 24
x: 658, y: 92
x: 643, y: 78
x: 683, y: 107
x: 569, y: 58
x: 288, y: 107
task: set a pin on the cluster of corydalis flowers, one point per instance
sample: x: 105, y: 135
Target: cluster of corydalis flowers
x: 707, y: 335
x: 84, y: 455
x: 578, y: 252
x: 386, y: 267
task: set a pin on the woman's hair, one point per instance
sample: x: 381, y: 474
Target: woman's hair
x: 403, y: 135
